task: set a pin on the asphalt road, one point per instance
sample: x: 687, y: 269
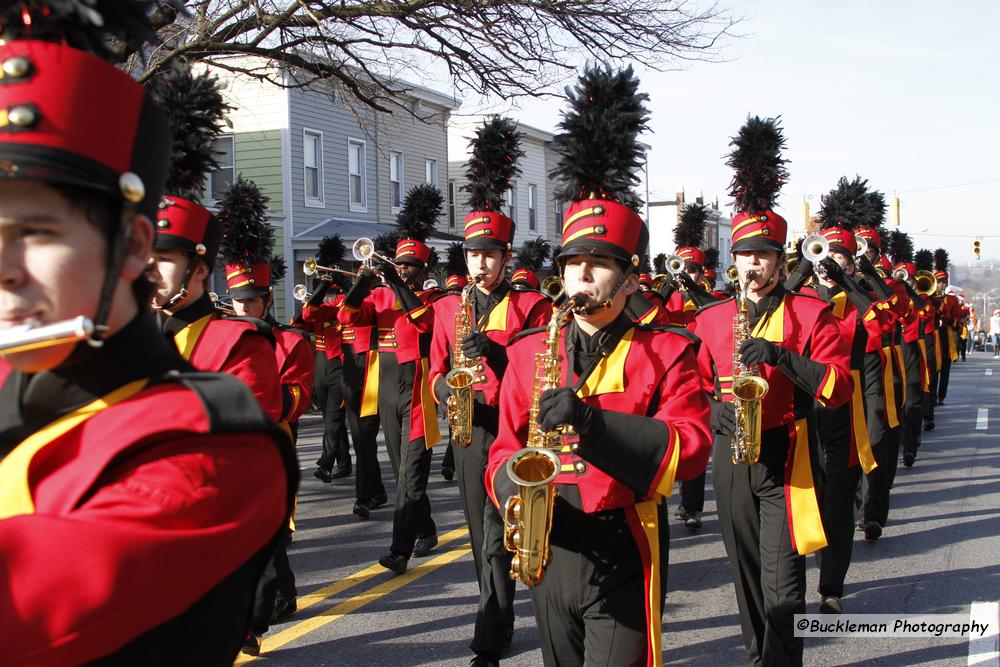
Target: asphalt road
x: 939, y: 553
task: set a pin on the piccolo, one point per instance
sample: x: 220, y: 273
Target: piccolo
x: 26, y: 337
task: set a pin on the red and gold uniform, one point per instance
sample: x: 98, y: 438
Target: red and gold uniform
x: 138, y: 498
x: 949, y: 319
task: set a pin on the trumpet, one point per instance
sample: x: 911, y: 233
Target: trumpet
x: 901, y: 274
x: 862, y: 245
x: 815, y: 248
x: 552, y: 287
x: 364, y: 252
x: 301, y: 293
x: 674, y: 264
x: 924, y: 283
x: 430, y: 283
x: 311, y: 268
x: 220, y: 306
x: 732, y: 275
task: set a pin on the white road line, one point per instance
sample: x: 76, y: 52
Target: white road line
x: 989, y: 371
x: 985, y: 650
x: 982, y: 419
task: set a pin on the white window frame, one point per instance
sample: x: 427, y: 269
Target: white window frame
x: 452, y: 210
x: 532, y: 207
x: 363, y: 168
x: 511, y: 198
x: 208, y: 180
x: 400, y: 178
x: 320, y: 201
x: 431, y: 164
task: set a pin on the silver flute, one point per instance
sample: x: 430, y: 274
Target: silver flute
x: 25, y: 337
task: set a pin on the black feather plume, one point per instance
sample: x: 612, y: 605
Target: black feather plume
x: 924, y: 259
x: 331, y: 251
x: 644, y: 266
x: 532, y: 254
x: 875, y: 208
x: 278, y: 269
x: 846, y: 205
x: 553, y: 264
x: 247, y: 236
x: 88, y: 25
x: 454, y: 265
x: 941, y: 260
x: 492, y: 166
x: 711, y: 258
x: 421, y: 210
x: 433, y: 257
x: 598, y: 147
x: 690, y: 231
x: 899, y: 247
x: 195, y: 111
x: 759, y: 168
x: 660, y: 263
x: 385, y: 244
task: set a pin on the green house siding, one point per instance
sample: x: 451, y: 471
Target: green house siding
x: 258, y: 158
x: 278, y: 288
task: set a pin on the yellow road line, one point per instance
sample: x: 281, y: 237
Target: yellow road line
x: 336, y: 612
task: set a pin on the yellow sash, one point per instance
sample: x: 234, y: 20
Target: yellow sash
x: 807, y: 526
x: 889, y: 387
x: 859, y: 425
x: 369, y: 396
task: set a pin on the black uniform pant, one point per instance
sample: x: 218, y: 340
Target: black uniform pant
x: 913, y: 416
x: 875, y: 485
x: 448, y: 460
x: 693, y: 493
x: 836, y: 485
x: 364, y: 430
x: 411, y: 460
x: 276, y: 582
x: 944, y: 373
x: 329, y: 390
x: 930, y: 397
x: 590, y: 606
x: 768, y: 573
x: 495, y: 614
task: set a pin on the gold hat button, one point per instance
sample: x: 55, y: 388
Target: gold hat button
x: 16, y: 67
x: 22, y: 116
x: 580, y: 467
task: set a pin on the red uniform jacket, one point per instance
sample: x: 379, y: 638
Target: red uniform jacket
x: 324, y: 325
x: 514, y: 313
x: 296, y: 366
x: 116, y: 519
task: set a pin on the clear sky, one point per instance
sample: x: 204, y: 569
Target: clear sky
x: 906, y: 94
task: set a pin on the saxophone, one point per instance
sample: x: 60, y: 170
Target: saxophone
x: 528, y: 515
x: 460, y: 378
x: 748, y: 387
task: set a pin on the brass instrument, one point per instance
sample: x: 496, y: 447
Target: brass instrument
x: 862, y: 245
x: 311, y: 268
x: 674, y: 264
x: 430, y: 283
x: 924, y: 283
x: 901, y: 274
x: 881, y: 272
x: 460, y: 378
x: 528, y: 515
x: 791, y: 264
x: 659, y: 280
x: 364, y: 251
x: 706, y: 284
x: 732, y: 275
x: 220, y: 306
x: 815, y: 248
x: 301, y: 293
x: 552, y: 287
x: 748, y: 387
x: 34, y: 336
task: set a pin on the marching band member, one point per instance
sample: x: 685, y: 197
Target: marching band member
x: 187, y: 242
x: 631, y: 393
x: 768, y: 510
x: 949, y: 314
x: 401, y: 312
x: 923, y: 259
x: 119, y: 464
x: 487, y: 315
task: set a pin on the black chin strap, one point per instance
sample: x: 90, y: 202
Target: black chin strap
x: 181, y: 293
x: 607, y: 302
x: 112, y: 267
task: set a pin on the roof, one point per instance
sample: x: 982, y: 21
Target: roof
x: 353, y: 229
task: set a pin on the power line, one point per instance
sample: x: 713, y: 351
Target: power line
x: 948, y: 187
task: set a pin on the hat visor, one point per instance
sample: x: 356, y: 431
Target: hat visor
x: 757, y: 243
x: 412, y: 261
x: 249, y: 292
x: 598, y: 249
x: 485, y: 243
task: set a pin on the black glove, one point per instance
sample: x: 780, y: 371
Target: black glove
x: 441, y: 390
x: 477, y: 345
x: 361, y: 288
x: 755, y: 351
x: 833, y: 271
x: 865, y: 266
x: 390, y: 274
x: 685, y: 279
x: 723, y: 419
x: 562, y: 406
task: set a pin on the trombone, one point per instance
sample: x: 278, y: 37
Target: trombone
x: 311, y: 268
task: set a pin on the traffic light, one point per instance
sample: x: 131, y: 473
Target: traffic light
x: 975, y: 249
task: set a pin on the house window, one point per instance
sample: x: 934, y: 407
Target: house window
x: 395, y: 180
x: 532, y: 203
x: 312, y: 156
x: 220, y: 179
x: 431, y: 171
x: 451, y: 204
x: 559, y: 213
x: 356, y: 175
x: 512, y: 203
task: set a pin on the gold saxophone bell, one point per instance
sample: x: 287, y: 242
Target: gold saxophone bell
x: 528, y: 515
x: 659, y: 280
x: 749, y: 387
x: 552, y: 287
x: 791, y: 264
x: 459, y: 405
x: 732, y: 275
x: 924, y: 283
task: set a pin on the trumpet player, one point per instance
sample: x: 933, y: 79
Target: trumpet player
x: 768, y: 510
x: 631, y: 395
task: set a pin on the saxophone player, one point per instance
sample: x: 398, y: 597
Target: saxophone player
x: 630, y: 393
x: 768, y: 511
x: 491, y: 313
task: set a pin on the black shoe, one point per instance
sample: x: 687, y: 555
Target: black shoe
x: 341, y: 471
x: 375, y: 502
x: 929, y: 426
x: 860, y: 526
x: 693, y: 522
x: 323, y: 475
x: 251, y: 644
x: 483, y: 661
x: 425, y: 545
x: 394, y: 562
x: 873, y: 531
x: 831, y: 605
x: 448, y: 473
x: 681, y: 514
x: 361, y: 509
x: 282, y: 609
x: 940, y: 401
x: 508, y: 637
x: 908, y: 460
